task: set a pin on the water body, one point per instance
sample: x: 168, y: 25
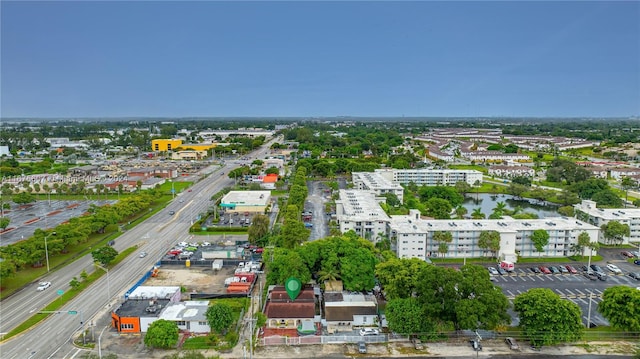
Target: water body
x: 487, y: 202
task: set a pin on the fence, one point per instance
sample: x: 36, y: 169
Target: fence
x: 138, y: 283
x: 323, y: 339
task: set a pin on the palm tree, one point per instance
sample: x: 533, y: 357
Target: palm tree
x: 477, y: 213
x: 328, y: 274
x: 461, y: 211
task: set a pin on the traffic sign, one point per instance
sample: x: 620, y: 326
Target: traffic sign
x: 72, y: 312
x: 60, y: 292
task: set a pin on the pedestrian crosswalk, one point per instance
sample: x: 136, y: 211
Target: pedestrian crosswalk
x: 595, y: 294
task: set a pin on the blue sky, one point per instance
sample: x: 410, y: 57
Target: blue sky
x: 174, y: 59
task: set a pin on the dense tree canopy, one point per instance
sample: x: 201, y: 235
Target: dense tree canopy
x: 104, y: 255
x: 614, y: 231
x: 400, y: 276
x: 162, y: 334
x: 547, y: 319
x: 219, y: 317
x: 621, y: 307
x: 540, y: 239
x: 465, y: 298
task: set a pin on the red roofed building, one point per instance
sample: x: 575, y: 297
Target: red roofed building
x: 269, y: 181
x: 286, y: 316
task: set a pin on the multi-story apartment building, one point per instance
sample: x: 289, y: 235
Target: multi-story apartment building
x: 431, y: 177
x: 511, y: 171
x: 360, y: 211
x: 588, y: 212
x: 414, y: 236
x: 373, y: 181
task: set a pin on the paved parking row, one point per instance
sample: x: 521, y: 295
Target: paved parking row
x: 549, y: 278
x: 564, y: 293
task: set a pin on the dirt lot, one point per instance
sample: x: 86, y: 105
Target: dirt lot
x: 195, y: 279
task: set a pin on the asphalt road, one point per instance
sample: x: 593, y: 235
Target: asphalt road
x: 315, y: 204
x: 52, y: 337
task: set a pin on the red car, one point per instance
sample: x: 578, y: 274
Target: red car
x: 627, y: 254
x: 545, y: 270
x: 571, y: 269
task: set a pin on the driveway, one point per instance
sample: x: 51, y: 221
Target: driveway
x: 315, y: 204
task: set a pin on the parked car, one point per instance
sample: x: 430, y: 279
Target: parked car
x: 417, y: 344
x: 591, y: 275
x: 636, y: 254
x: 554, y: 270
x: 362, y: 348
x: 571, y: 269
x: 511, y: 343
x: 614, y: 268
x: 493, y: 271
x: 369, y: 331
x: 634, y: 275
x: 563, y: 269
x: 601, y: 276
x: 627, y: 254
x: 597, y: 268
x: 636, y: 262
x: 501, y: 271
x: 544, y: 270
x: 535, y: 270
x: 43, y: 285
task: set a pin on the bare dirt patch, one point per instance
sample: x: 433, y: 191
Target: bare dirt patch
x: 194, y: 280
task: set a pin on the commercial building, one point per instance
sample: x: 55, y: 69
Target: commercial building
x: 431, y: 177
x: 588, y: 212
x: 414, y: 236
x: 374, y: 181
x: 143, y: 307
x: 246, y: 201
x: 360, y: 211
x: 160, y: 145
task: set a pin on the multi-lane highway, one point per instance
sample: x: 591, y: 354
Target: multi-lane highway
x: 52, y: 337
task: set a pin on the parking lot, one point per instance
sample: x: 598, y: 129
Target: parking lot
x: 574, y: 287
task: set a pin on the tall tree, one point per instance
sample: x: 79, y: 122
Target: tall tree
x: 406, y: 316
x: 104, y: 255
x: 621, y: 307
x: 540, y: 239
x: 477, y: 213
x: 220, y: 317
x: 162, y: 334
x: 439, y: 208
x: 547, y: 319
x: 614, y: 231
x: 259, y: 228
x: 400, y: 276
x: 490, y: 241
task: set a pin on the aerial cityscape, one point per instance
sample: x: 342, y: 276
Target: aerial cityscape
x: 197, y: 180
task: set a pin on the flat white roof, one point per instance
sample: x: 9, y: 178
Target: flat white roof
x: 361, y: 205
x: 151, y: 292
x: 407, y: 224
x: 374, y: 180
x: 188, y: 311
x: 247, y: 198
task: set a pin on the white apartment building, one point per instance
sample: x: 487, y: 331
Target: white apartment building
x: 359, y: 210
x: 431, y: 177
x: 494, y: 156
x: 588, y: 212
x: 373, y: 181
x: 620, y: 173
x: 511, y: 171
x: 414, y: 236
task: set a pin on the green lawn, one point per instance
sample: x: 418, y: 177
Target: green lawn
x: 482, y: 169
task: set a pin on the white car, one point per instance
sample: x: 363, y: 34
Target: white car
x: 43, y: 285
x: 614, y: 268
x: 368, y: 331
x: 493, y: 271
x: 143, y: 254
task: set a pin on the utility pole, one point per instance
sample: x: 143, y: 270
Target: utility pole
x: 589, y: 310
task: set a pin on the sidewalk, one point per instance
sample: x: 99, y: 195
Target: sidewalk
x: 405, y: 349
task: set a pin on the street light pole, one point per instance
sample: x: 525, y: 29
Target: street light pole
x: 99, y: 342
x: 46, y: 249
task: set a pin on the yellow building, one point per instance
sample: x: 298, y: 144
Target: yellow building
x: 161, y: 145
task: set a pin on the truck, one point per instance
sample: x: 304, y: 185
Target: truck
x: 508, y: 266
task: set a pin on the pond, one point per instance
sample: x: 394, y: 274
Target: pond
x: 487, y: 202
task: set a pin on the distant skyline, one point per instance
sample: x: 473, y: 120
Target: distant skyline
x: 320, y: 59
